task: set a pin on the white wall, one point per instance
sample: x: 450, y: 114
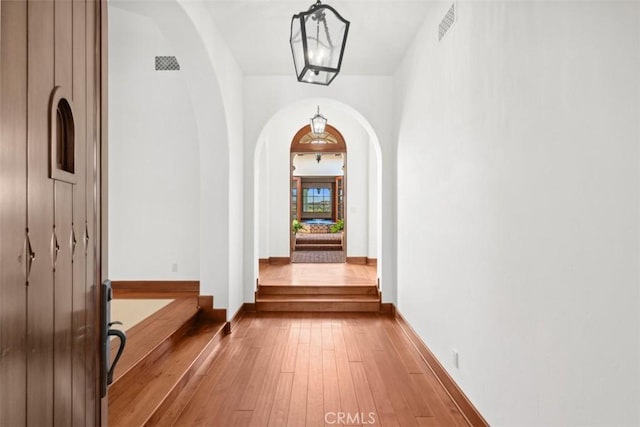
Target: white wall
x: 366, y: 99
x: 153, y: 158
x: 212, y: 87
x: 307, y: 165
x: 518, y: 211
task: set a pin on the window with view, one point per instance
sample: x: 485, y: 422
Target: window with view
x: 316, y: 200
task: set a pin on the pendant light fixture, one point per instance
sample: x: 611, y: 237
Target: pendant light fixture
x: 318, y: 123
x: 318, y: 37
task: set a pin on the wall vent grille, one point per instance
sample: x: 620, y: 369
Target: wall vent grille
x: 167, y: 63
x: 447, y: 22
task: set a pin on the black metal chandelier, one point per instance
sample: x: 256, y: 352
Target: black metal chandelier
x: 318, y: 37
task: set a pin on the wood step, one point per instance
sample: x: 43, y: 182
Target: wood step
x: 318, y: 247
x: 144, y: 392
x: 317, y: 302
x: 146, y: 339
x: 318, y: 306
x: 319, y: 240
x: 316, y: 290
x: 319, y: 297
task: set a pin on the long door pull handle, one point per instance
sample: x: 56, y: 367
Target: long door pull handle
x: 123, y: 341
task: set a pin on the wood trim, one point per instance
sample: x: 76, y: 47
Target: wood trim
x: 360, y: 260
x: 263, y: 261
x: 279, y: 260
x: 141, y: 289
x: 339, y: 147
x: 372, y: 261
x: 388, y: 308
x: 470, y: 412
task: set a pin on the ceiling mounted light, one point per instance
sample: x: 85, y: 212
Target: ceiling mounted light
x: 318, y: 123
x: 318, y: 37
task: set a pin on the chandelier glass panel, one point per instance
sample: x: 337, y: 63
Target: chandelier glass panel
x: 318, y: 37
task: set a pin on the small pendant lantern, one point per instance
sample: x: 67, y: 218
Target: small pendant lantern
x: 318, y: 123
x: 318, y: 37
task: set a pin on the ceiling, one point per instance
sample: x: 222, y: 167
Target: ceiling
x: 257, y: 32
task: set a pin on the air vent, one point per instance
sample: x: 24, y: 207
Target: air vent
x: 167, y: 63
x: 447, y: 22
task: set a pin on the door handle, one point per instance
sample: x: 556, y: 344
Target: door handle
x: 123, y: 341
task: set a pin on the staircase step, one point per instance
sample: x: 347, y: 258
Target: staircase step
x: 319, y: 302
x: 316, y: 290
x: 144, y: 393
x: 318, y: 247
x: 317, y: 241
x: 318, y: 306
x: 147, y: 339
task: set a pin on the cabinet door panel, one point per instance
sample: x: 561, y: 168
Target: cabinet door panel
x: 40, y: 318
x: 63, y: 305
x: 79, y: 261
x: 13, y: 213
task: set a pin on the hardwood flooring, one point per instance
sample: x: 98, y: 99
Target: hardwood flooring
x: 318, y: 274
x: 314, y: 369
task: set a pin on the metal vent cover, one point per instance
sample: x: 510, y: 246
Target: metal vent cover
x: 167, y: 63
x: 447, y: 22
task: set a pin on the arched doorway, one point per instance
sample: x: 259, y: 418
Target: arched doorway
x: 318, y: 196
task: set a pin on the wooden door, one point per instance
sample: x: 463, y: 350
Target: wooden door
x: 50, y: 108
x: 13, y: 213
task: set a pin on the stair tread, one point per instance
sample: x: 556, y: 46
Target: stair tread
x: 319, y: 306
x: 317, y: 298
x: 141, y: 393
x: 144, y: 337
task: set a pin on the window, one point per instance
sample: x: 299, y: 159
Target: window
x: 316, y: 200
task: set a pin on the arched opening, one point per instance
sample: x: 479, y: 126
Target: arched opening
x: 270, y: 192
x: 318, y: 196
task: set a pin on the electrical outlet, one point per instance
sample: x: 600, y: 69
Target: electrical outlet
x: 174, y: 267
x: 456, y: 358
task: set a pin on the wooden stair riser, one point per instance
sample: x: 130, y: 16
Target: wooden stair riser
x: 316, y: 290
x: 333, y: 241
x: 201, y: 363
x: 312, y: 247
x: 122, y: 383
x: 165, y: 369
x: 318, y: 306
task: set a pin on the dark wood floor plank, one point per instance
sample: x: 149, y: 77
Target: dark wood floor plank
x: 249, y: 396
x: 281, y: 400
x: 327, y: 336
x: 331, y: 395
x: 289, y: 361
x: 350, y: 340
x: 348, y: 400
x: 366, y: 403
x: 409, y: 391
x: 241, y: 418
x: 386, y: 411
x: 195, y: 411
x: 298, y: 408
x: 315, y: 400
x: 410, y: 357
x: 265, y: 398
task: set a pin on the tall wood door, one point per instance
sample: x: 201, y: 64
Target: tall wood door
x: 50, y: 109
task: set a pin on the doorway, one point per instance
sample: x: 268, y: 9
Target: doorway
x: 318, y: 197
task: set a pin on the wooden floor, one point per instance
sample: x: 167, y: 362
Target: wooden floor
x: 317, y: 274
x: 314, y: 369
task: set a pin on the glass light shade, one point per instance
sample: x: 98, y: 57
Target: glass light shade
x: 318, y: 37
x: 318, y: 123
